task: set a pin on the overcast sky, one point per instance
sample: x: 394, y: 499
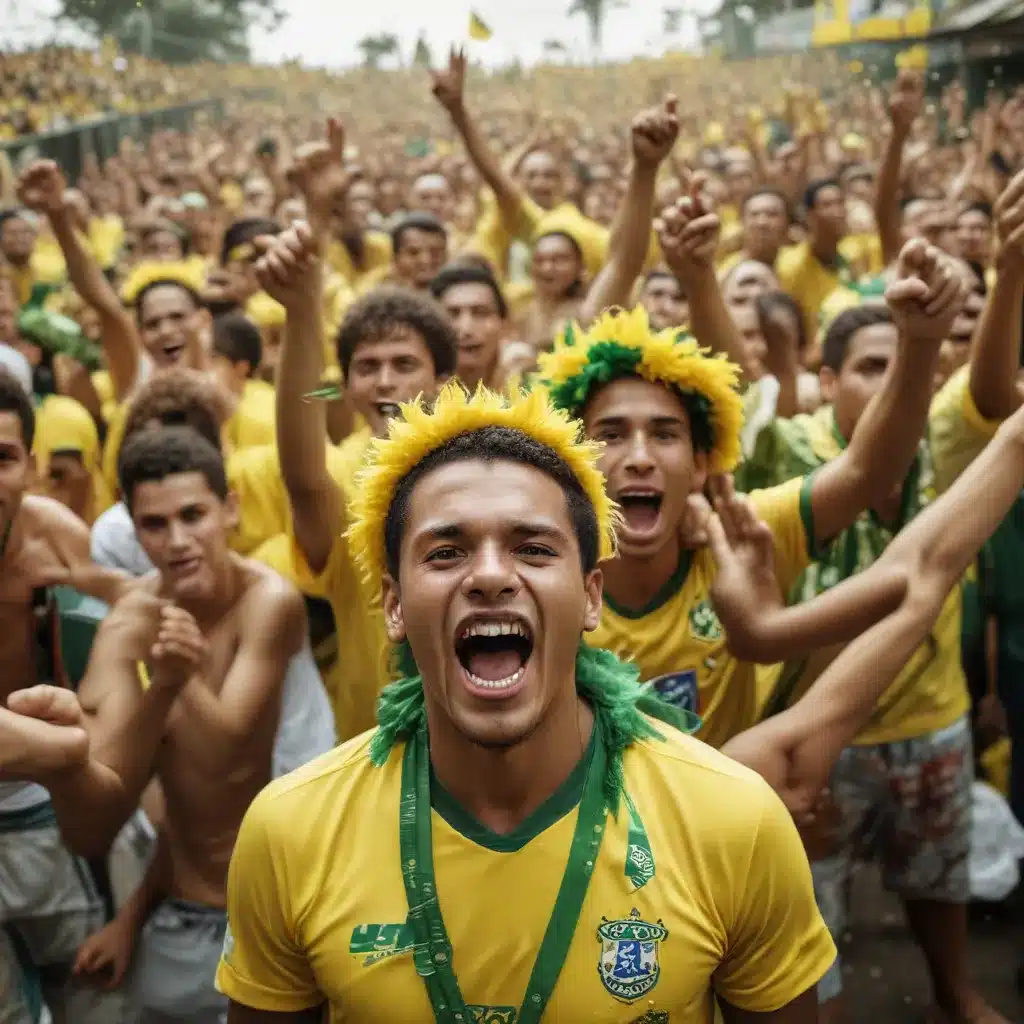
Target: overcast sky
x: 325, y: 33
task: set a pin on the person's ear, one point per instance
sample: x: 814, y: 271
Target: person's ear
x: 394, y: 620
x: 829, y: 381
x: 593, y: 588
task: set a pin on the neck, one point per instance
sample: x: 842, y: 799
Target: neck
x: 12, y: 538
x: 825, y: 251
x: 766, y: 254
x: 633, y: 582
x: 211, y: 608
x: 502, y: 787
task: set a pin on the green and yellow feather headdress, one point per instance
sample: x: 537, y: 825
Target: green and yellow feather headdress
x: 621, y: 343
x: 421, y: 430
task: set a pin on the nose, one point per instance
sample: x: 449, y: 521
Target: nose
x: 177, y: 535
x: 491, y: 575
x: 638, y: 456
x: 386, y: 380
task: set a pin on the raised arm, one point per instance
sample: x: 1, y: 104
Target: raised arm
x: 291, y: 271
x: 224, y: 721
x: 996, y: 352
x: 689, y: 233
x: 449, y: 90
x: 125, y: 723
x: 925, y: 298
x: 904, y: 108
x: 796, y: 750
x: 42, y: 189
x: 653, y: 135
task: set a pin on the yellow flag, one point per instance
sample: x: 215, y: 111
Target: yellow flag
x: 478, y: 29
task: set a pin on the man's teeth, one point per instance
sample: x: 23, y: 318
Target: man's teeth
x: 498, y: 684
x: 494, y: 629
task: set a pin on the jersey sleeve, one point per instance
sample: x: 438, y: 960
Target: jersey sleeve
x: 957, y: 432
x: 778, y: 944
x: 787, y: 511
x: 262, y: 965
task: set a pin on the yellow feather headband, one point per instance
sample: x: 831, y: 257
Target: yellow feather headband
x: 420, y: 431
x: 144, y: 274
x: 620, y: 344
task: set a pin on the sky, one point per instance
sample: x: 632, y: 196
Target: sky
x: 325, y: 34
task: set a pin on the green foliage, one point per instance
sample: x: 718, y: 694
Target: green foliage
x: 595, y: 11
x: 375, y: 48
x: 422, y: 56
x: 176, y: 31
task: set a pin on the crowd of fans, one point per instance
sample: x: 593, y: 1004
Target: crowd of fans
x: 766, y: 206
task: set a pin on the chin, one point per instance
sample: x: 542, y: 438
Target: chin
x: 642, y: 546
x: 495, y: 730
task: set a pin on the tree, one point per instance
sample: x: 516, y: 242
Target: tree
x: 422, y: 56
x: 595, y: 11
x: 178, y: 31
x: 374, y: 48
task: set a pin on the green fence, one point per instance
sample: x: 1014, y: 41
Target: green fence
x: 102, y: 136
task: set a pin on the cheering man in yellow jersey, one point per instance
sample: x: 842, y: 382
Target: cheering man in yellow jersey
x: 668, y: 415
x: 651, y: 875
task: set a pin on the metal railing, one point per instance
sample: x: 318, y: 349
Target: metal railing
x: 102, y: 136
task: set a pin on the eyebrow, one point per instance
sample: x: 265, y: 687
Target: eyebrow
x: 658, y: 421
x: 520, y: 528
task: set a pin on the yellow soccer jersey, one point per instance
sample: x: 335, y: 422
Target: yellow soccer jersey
x: 957, y: 432
x: 252, y: 423
x: 317, y: 906
x: 678, y: 643
x: 808, y: 281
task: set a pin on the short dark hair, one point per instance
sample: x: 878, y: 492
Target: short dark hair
x: 244, y: 231
x: 164, y: 282
x: 977, y: 206
x: 379, y: 312
x: 156, y: 226
x: 14, y: 398
x: 815, y: 188
x: 495, y: 444
x: 177, y: 397
x: 456, y: 274
x: 768, y: 190
x: 767, y: 303
x: 153, y: 455
x: 841, y: 331
x: 237, y: 339
x: 415, y: 222
x: 659, y: 273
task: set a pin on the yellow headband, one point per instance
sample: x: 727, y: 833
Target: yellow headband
x: 419, y: 431
x: 621, y: 344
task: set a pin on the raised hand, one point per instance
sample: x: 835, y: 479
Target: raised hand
x: 654, y: 133
x: 927, y: 293
x: 906, y: 100
x: 319, y: 173
x: 1009, y: 217
x: 448, y: 86
x: 42, y: 731
x: 289, y: 269
x: 745, y: 585
x: 689, y: 231
x: 179, y: 650
x: 41, y: 187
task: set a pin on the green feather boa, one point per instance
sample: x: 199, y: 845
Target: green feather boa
x: 611, y: 687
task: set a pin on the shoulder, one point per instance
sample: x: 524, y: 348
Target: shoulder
x: 271, y: 597
x: 49, y: 519
x: 322, y: 788
x: 790, y: 258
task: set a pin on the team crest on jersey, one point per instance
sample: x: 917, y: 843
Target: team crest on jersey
x: 678, y: 689
x: 629, y: 965
x: 653, y: 1017
x: 371, y: 943
x: 493, y: 1014
x: 704, y: 624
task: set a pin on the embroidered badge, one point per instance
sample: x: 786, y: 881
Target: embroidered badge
x: 628, y: 964
x: 704, y: 624
x: 678, y: 689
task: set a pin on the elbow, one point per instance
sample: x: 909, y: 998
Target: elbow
x: 751, y: 642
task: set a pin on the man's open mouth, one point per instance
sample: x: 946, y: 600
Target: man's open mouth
x: 389, y: 410
x: 174, y: 351
x: 640, y: 509
x: 494, y: 652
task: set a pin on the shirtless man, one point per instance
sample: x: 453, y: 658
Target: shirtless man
x: 49, y: 901
x: 184, y: 683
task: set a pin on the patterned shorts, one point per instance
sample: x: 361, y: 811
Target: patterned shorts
x: 907, y: 805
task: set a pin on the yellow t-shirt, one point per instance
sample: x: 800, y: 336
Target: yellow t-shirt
x: 376, y: 254
x: 317, y: 905
x: 678, y: 642
x: 957, y: 432
x: 809, y: 281
x: 106, y: 236
x: 252, y: 423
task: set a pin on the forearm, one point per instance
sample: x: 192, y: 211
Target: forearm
x: 710, y: 321
x: 995, y: 355
x: 628, y: 246
x: 91, y: 805
x: 887, y: 193
x: 507, y: 193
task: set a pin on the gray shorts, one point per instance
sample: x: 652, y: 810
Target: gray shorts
x: 175, y: 963
x: 49, y: 905
x: 908, y: 805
